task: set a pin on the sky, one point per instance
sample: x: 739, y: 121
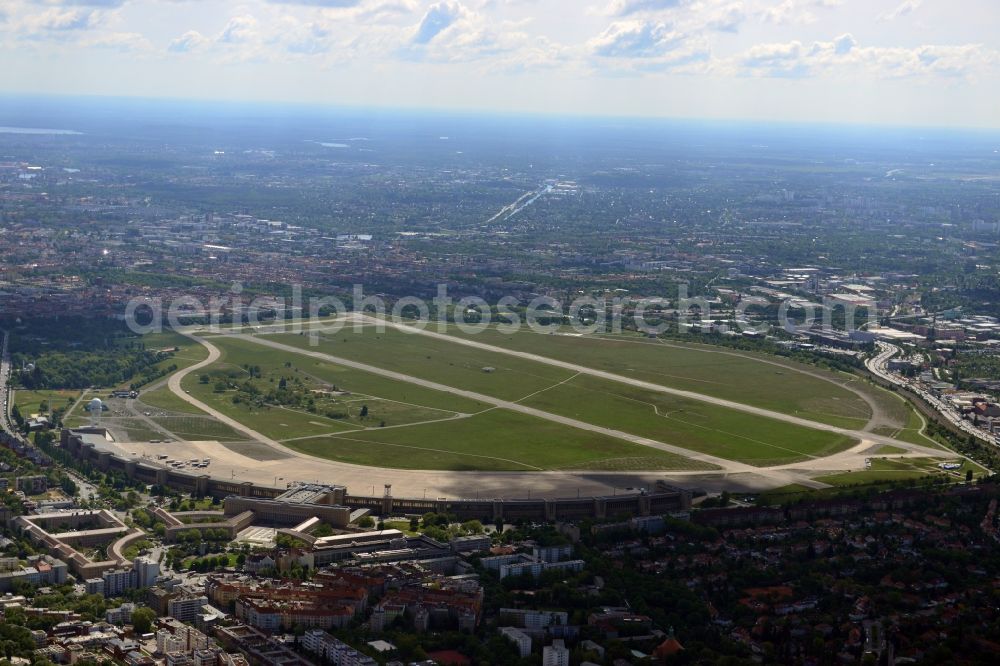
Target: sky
x: 899, y: 62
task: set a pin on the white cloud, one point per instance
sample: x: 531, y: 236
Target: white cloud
x: 381, y: 9
x: 635, y: 39
x: 239, y: 30
x: 310, y: 38
x: 192, y: 40
x: 120, y: 41
x: 904, y: 9
x: 796, y: 11
x: 636, y: 47
x: 438, y: 18
x: 317, y: 3
x: 627, y: 7
x: 56, y: 19
x: 845, y: 56
x: 725, y: 18
x: 81, y: 3
x: 775, y: 59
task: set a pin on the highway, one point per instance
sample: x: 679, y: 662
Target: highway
x: 5, y: 370
x: 878, y: 366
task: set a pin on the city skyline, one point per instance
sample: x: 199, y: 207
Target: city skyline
x: 900, y: 62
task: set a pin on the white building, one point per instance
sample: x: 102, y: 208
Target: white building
x: 116, y: 581
x: 337, y: 652
x: 186, y: 609
x: 555, y: 654
x: 120, y: 615
x: 521, y: 640
x: 167, y: 642
x: 534, y: 619
x: 145, y: 571
x: 94, y: 586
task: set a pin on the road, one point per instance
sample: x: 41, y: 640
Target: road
x: 8, y: 399
x: 878, y: 366
x: 86, y: 489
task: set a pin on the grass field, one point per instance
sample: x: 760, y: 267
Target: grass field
x: 896, y: 470
x: 165, y: 399
x: 388, y: 402
x: 29, y: 402
x: 466, y: 444
x: 79, y: 413
x: 758, y: 380
x: 137, y: 430
x: 364, y: 418
x: 426, y: 441
x: 691, y: 424
x: 187, y: 352
x: 198, y: 428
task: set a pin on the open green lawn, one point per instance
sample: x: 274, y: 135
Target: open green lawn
x: 185, y: 352
x: 198, y: 428
x: 454, y: 365
x: 493, y: 440
x: 389, y: 402
x: 79, y: 413
x: 401, y: 525
x: 133, y: 430
x: 885, y: 469
x: 164, y: 399
x: 913, y: 432
x: 690, y: 424
x: 754, y: 379
x: 29, y: 402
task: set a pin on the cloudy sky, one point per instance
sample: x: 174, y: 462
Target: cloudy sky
x: 907, y: 62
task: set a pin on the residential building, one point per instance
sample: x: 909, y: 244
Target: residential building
x: 521, y: 640
x: 186, y: 608
x: 556, y: 654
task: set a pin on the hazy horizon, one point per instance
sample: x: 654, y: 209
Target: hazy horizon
x: 906, y: 63
x: 38, y: 106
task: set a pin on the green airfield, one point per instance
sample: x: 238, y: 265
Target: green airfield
x: 424, y: 429
x: 757, y: 380
x: 473, y: 443
x: 414, y: 427
x: 753, y: 379
x: 430, y: 429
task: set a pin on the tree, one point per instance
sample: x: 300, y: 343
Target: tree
x: 142, y: 620
x: 473, y: 527
x: 15, y: 414
x: 968, y: 476
x: 366, y: 521
x: 204, y: 379
x: 364, y: 411
x: 67, y: 485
